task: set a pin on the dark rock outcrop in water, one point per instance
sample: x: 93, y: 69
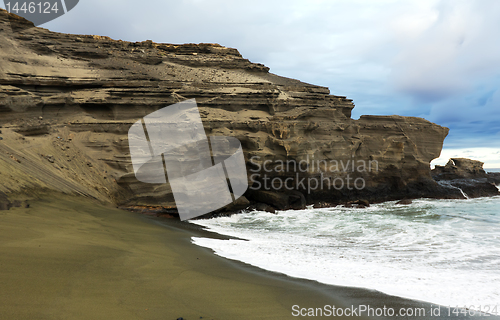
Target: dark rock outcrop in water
x: 67, y: 102
x: 468, y: 176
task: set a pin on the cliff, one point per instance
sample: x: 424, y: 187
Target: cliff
x: 67, y: 102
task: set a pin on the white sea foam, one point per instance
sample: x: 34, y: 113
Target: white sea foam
x: 441, y: 251
x: 449, y: 185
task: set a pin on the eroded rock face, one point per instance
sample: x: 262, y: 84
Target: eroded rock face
x: 67, y: 102
x: 468, y: 176
x: 459, y: 168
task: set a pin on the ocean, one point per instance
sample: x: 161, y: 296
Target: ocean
x: 444, y: 252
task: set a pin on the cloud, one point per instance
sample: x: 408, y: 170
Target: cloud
x: 452, y: 54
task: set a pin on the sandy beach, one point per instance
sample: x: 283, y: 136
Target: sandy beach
x: 72, y: 258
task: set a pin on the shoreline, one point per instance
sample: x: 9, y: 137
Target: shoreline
x: 71, y: 257
x: 352, y: 295
x: 273, y: 246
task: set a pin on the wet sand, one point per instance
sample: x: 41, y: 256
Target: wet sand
x: 72, y: 258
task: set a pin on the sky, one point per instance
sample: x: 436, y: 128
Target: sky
x: 435, y: 59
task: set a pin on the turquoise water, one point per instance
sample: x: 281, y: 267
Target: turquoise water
x: 440, y: 251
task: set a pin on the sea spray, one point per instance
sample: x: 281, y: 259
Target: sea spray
x: 441, y: 251
x: 449, y: 185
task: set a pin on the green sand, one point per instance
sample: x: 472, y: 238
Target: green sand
x: 72, y: 258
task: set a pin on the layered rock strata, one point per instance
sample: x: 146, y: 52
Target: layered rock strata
x: 68, y: 101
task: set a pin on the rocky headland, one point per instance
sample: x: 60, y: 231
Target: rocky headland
x: 67, y: 103
x: 468, y: 176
